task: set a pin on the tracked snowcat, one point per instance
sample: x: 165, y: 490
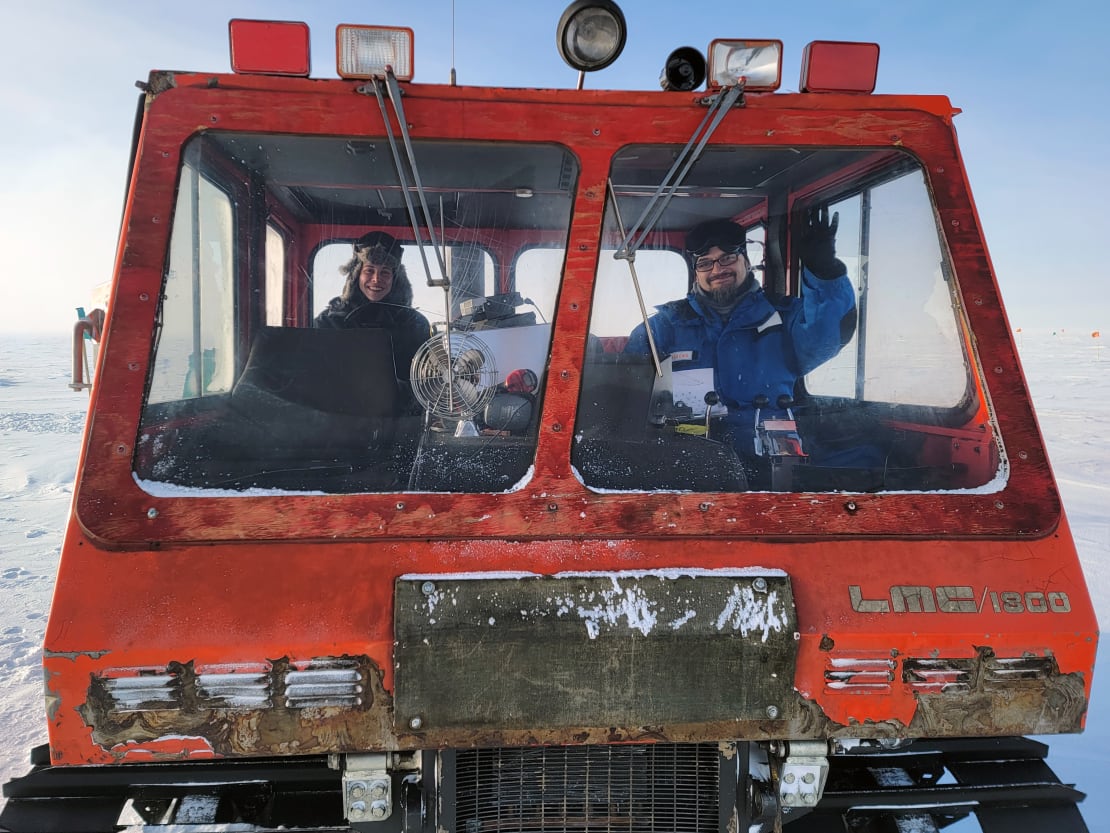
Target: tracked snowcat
x: 521, y: 578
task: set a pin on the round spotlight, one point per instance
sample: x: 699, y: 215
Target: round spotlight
x: 591, y: 34
x: 684, y: 70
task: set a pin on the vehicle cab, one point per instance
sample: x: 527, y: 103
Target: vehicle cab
x: 528, y: 548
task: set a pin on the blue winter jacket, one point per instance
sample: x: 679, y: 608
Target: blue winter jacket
x: 763, y: 347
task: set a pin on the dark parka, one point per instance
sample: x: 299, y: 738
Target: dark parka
x: 408, y: 327
x: 762, y: 347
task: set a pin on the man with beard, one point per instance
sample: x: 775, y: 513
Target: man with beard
x: 377, y: 293
x: 757, y: 346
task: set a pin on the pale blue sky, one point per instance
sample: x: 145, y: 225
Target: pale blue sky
x: 1028, y: 75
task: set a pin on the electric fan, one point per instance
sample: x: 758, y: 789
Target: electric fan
x: 454, y: 377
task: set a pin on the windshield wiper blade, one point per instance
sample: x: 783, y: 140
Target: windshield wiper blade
x: 394, y: 90
x: 631, y: 261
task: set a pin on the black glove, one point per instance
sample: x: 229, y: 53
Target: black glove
x: 818, y: 245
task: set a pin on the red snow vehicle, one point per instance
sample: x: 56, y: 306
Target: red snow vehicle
x: 522, y: 578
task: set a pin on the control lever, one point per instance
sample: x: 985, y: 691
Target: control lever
x: 777, y: 439
x: 711, y: 399
x: 761, y: 401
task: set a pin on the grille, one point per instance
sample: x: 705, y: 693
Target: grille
x: 658, y: 788
x: 316, y: 683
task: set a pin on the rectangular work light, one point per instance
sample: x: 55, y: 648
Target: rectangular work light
x: 366, y: 51
x: 758, y: 63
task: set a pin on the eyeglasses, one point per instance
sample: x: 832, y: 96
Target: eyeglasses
x: 705, y: 264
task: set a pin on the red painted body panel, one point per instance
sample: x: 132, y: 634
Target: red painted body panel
x: 147, y: 581
x: 263, y: 601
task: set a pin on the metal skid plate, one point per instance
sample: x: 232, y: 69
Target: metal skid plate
x: 592, y: 650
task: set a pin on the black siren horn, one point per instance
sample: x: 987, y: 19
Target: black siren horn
x: 684, y: 70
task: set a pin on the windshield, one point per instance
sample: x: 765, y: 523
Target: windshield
x: 802, y: 333
x: 307, y: 338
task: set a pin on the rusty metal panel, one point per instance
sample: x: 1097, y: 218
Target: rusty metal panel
x: 592, y: 650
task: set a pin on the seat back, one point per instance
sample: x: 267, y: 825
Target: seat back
x: 616, y: 395
x: 347, y: 371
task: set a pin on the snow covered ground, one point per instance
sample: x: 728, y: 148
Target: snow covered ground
x: 40, y: 432
x: 41, y: 421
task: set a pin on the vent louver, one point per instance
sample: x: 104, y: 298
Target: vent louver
x: 859, y: 674
x: 1018, y: 669
x: 939, y: 676
x: 234, y: 686
x: 322, y: 683
x: 143, y: 689
x: 315, y: 683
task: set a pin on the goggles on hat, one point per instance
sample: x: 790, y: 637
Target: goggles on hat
x: 724, y: 234
x: 378, y: 243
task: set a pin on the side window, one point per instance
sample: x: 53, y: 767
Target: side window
x: 837, y: 377
x: 195, y: 355
x: 662, y: 275
x: 275, y: 276
x: 537, y: 269
x: 757, y: 251
x: 907, y: 348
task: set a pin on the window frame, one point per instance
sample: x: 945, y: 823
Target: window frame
x: 113, y: 511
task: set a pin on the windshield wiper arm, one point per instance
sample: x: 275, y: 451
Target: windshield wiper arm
x: 718, y: 108
x: 631, y: 260
x: 657, y: 204
x: 404, y: 167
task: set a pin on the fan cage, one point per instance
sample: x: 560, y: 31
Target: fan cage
x: 454, y: 376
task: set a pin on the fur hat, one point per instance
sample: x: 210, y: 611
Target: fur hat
x: 379, y: 248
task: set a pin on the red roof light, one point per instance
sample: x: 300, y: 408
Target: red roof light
x: 839, y: 67
x: 269, y: 47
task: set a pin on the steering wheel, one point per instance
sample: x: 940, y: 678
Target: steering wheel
x: 369, y: 315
